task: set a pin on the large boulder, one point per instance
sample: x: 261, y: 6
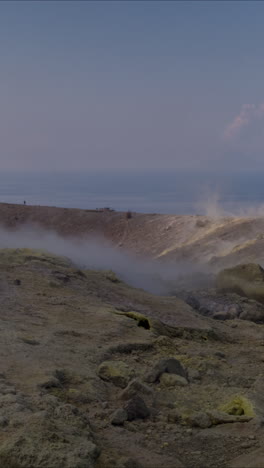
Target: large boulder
x: 245, y: 280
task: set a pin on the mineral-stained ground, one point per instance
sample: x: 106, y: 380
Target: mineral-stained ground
x: 97, y: 374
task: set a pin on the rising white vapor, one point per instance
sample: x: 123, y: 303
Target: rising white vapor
x: 247, y: 114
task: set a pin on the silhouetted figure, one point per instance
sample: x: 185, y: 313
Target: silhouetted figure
x: 128, y: 215
x: 24, y: 202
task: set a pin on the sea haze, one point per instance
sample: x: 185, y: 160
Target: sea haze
x: 179, y: 192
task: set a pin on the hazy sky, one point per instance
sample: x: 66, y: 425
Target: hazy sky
x: 137, y: 84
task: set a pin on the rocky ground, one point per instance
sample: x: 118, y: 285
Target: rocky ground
x: 97, y: 374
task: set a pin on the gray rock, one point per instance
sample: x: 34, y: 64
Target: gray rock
x: 136, y: 409
x: 119, y: 417
x: 172, y: 380
x: 171, y: 366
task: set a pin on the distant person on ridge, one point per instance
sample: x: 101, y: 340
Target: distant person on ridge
x: 24, y: 202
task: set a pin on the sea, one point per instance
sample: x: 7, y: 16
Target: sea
x: 168, y: 192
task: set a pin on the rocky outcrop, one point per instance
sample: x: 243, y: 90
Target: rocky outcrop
x: 224, y: 305
x: 245, y: 280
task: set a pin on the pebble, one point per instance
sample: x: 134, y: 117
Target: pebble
x: 246, y: 445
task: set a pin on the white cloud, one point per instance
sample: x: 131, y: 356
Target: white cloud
x: 248, y: 113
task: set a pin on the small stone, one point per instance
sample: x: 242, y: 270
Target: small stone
x: 136, y: 409
x: 247, y: 445
x: 252, y: 437
x: 119, y: 417
x: 172, y: 380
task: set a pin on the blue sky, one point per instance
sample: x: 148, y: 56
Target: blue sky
x: 131, y: 85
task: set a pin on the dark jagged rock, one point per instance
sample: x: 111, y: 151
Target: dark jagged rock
x: 136, y: 409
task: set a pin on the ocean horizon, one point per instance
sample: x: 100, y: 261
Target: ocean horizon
x: 166, y: 192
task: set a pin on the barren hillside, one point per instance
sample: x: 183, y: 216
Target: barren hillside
x: 199, y: 239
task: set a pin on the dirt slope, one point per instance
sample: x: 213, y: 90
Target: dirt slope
x: 198, y: 239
